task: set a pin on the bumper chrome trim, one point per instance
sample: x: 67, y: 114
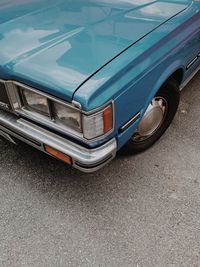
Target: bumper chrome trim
x: 87, y: 160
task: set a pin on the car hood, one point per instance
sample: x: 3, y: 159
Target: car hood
x: 57, y: 45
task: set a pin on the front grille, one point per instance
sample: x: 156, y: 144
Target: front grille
x: 4, y: 99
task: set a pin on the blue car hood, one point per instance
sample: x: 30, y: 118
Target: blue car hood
x: 57, y: 45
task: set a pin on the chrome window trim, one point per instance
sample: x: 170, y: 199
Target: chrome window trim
x: 12, y: 90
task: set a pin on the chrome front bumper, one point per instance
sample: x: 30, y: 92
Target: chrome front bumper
x: 87, y: 160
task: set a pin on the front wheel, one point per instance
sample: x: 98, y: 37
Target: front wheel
x: 157, y: 118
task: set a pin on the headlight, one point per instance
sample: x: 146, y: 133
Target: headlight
x: 98, y: 124
x: 91, y: 126
x: 52, y: 112
x: 35, y: 102
x: 67, y: 116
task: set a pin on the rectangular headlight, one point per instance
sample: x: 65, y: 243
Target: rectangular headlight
x: 67, y: 116
x: 88, y: 125
x: 35, y: 102
x: 98, y: 124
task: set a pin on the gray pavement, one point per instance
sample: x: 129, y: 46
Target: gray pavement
x: 138, y: 211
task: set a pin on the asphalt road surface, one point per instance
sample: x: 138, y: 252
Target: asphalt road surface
x: 138, y: 211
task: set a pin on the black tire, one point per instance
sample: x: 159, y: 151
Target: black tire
x: 171, y: 93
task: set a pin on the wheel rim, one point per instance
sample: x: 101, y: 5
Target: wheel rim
x: 152, y: 119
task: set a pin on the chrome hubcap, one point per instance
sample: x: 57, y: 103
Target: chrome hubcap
x: 152, y: 120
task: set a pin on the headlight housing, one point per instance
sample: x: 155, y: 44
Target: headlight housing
x: 67, y: 116
x: 62, y: 116
x: 35, y: 102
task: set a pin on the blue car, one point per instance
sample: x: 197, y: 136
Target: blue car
x: 80, y: 79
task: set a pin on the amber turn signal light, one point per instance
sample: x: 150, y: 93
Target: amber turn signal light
x: 107, y: 119
x: 57, y: 154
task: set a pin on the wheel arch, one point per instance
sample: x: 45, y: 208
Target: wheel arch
x: 177, y: 76
x: 175, y: 71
